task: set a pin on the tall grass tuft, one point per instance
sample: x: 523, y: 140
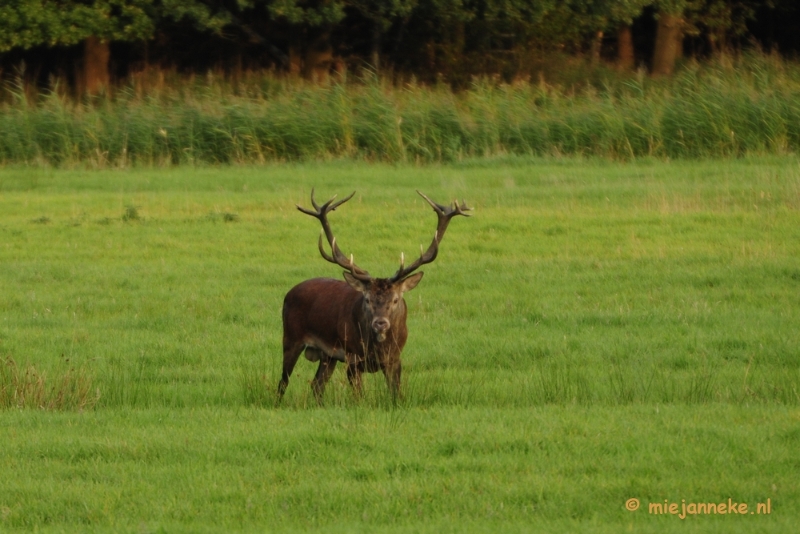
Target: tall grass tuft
x: 257, y: 386
x: 725, y: 108
x: 28, y: 387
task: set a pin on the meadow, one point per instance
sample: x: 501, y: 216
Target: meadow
x: 598, y: 331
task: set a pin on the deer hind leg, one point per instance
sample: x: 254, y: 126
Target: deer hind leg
x: 324, y: 372
x: 291, y: 352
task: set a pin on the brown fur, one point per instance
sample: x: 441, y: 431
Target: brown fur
x: 362, y: 324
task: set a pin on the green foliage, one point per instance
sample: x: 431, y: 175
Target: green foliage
x: 28, y: 23
x: 384, y: 12
x: 671, y: 6
x: 314, y: 13
x: 452, y: 40
x: 722, y: 108
x: 211, y: 16
x: 605, y: 15
x: 721, y: 20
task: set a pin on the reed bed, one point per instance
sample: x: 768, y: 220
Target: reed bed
x: 729, y: 107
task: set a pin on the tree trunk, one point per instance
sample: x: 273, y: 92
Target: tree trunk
x: 376, y: 46
x: 319, y: 58
x: 96, y: 54
x: 597, y: 45
x: 295, y: 61
x: 669, y: 43
x: 716, y: 41
x: 626, y: 59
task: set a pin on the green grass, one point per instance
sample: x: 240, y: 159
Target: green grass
x: 596, y: 332
x: 730, y: 107
x: 550, y: 469
x: 589, y: 283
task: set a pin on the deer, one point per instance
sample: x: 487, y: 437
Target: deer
x: 361, y: 321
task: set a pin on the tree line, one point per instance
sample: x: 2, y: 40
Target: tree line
x: 90, y: 43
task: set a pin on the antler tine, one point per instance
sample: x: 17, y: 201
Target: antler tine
x: 316, y: 211
x: 462, y: 208
x: 321, y: 214
x: 314, y: 202
x: 444, y: 214
x: 322, y: 249
x: 342, y: 201
x: 438, y: 208
x: 447, y: 210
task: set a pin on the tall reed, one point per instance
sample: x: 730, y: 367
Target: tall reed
x: 725, y: 108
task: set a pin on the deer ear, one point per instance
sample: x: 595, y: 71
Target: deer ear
x: 355, y: 283
x: 410, y: 282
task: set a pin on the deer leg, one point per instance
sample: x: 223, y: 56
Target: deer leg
x: 291, y: 352
x: 392, y: 373
x: 354, y: 377
x: 324, y: 372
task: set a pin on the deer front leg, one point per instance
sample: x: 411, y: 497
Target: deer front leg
x: 392, y: 372
x: 354, y: 377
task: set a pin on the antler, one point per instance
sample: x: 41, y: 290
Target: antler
x: 444, y: 213
x: 336, y: 256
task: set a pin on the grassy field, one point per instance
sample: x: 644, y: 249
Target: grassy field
x: 596, y: 332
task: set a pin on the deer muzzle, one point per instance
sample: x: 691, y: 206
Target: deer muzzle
x: 380, y: 325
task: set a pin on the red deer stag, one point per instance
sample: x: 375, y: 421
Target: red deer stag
x: 361, y: 321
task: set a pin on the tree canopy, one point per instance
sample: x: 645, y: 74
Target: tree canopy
x: 424, y: 37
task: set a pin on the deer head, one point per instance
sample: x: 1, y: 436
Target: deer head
x: 383, y: 303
